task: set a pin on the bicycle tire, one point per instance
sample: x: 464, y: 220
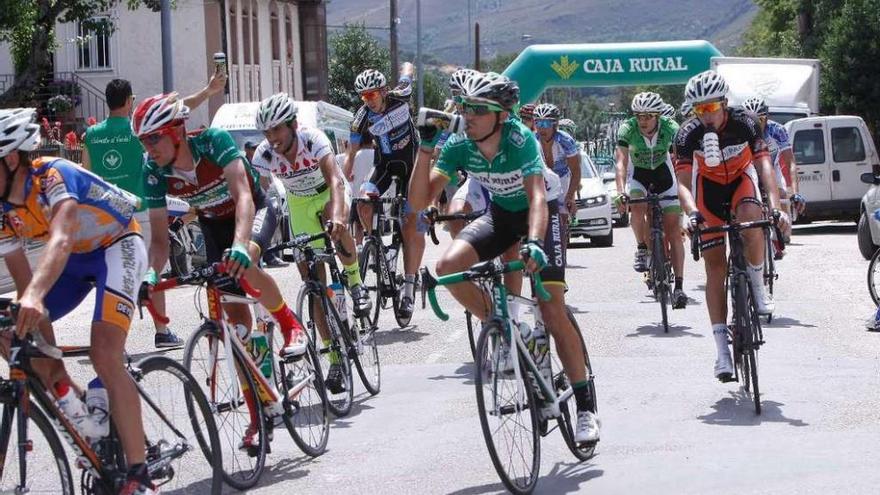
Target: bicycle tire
x: 339, y: 404
x: 752, y: 344
x: 200, y: 418
x: 661, y: 279
x: 366, y: 356
x: 488, y: 375
x: 587, y: 450
x: 472, y: 339
x: 63, y: 483
x: 232, y: 414
x: 769, y: 263
x: 371, y: 278
x: 873, y: 278
x: 397, y: 278
x: 307, y: 421
x: 739, y: 295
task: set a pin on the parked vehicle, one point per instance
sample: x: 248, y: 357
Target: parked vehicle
x: 594, y: 207
x: 605, y: 166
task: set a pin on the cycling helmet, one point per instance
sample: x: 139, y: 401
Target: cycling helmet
x: 492, y: 88
x: 568, y: 126
x: 705, y: 86
x: 527, y: 111
x: 457, y: 79
x: 547, y: 111
x: 668, y: 111
x: 756, y: 105
x: 369, y: 80
x: 157, y: 113
x: 687, y: 110
x: 18, y: 130
x: 647, y: 102
x: 275, y: 110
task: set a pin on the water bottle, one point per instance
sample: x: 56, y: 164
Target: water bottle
x: 74, y: 409
x: 259, y: 347
x: 711, y: 148
x: 339, y: 300
x: 98, y: 404
x: 526, y: 332
x: 391, y: 256
x: 244, y: 334
x: 541, y: 351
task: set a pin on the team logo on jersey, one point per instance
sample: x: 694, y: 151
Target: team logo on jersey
x: 517, y: 139
x: 112, y: 160
x: 563, y: 67
x: 152, y: 180
x: 178, y: 185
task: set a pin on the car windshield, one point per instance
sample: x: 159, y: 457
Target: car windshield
x: 588, y: 171
x: 241, y: 136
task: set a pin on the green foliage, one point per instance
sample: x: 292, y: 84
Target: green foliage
x: 434, y: 85
x: 498, y: 63
x: 672, y: 94
x: 353, y: 50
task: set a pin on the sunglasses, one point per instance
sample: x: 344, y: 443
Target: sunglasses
x: 468, y: 109
x: 154, y: 138
x: 371, y: 95
x: 647, y: 116
x: 703, y: 108
x: 545, y: 123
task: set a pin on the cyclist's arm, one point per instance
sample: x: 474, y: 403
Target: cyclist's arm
x: 685, y: 195
x: 236, y: 176
x: 786, y: 159
x: 620, y: 168
x: 425, y: 183
x: 574, y: 165
x: 159, y: 244
x: 215, y: 86
x: 62, y: 231
x: 535, y: 191
x: 19, y: 269
x: 348, y: 166
x: 86, y: 159
x: 768, y: 178
x: 336, y: 185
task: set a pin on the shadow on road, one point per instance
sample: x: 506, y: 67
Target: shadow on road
x: 359, y: 405
x: 656, y: 331
x: 785, y: 322
x: 285, y: 469
x: 399, y: 336
x: 464, y: 372
x: 825, y: 228
x: 739, y: 410
x: 563, y: 478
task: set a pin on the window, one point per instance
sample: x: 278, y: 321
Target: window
x: 93, y: 47
x: 809, y: 147
x: 846, y: 144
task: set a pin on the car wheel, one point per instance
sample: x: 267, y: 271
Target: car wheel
x: 866, y: 243
x: 603, y: 241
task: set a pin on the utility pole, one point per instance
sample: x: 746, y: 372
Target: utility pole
x: 476, y: 46
x: 469, y: 26
x: 419, y: 83
x: 167, y: 61
x: 393, y: 42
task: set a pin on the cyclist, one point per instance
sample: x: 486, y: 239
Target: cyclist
x: 561, y: 154
x: 303, y: 159
x: 782, y: 158
x: 92, y: 239
x: 501, y: 154
x: 385, y: 117
x: 716, y: 194
x: 207, y: 170
x: 568, y: 126
x: 527, y: 115
x: 644, y: 165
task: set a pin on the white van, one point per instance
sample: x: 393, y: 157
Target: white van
x: 832, y: 153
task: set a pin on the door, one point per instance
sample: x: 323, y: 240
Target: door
x: 848, y: 160
x: 808, y: 146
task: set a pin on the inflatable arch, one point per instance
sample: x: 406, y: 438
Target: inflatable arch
x: 608, y: 64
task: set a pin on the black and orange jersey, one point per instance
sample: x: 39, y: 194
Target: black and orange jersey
x: 740, y: 140
x: 104, y: 212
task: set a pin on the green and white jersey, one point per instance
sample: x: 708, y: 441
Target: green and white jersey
x: 518, y: 157
x: 645, y: 152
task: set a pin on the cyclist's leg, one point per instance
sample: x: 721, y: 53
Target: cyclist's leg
x: 672, y: 221
x: 348, y: 259
x: 749, y: 208
x: 378, y: 182
x: 459, y: 204
x: 218, y: 235
x: 639, y: 222
x: 115, y: 297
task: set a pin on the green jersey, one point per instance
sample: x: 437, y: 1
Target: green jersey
x: 644, y: 152
x: 518, y: 157
x: 117, y: 156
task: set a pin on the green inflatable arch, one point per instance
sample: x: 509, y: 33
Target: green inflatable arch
x: 608, y: 64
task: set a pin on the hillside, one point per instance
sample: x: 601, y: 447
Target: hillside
x: 504, y: 22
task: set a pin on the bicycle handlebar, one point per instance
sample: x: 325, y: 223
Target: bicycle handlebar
x: 435, y: 219
x: 7, y: 322
x: 695, y: 235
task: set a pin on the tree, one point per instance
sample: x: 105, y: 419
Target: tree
x: 29, y: 27
x: 352, y: 51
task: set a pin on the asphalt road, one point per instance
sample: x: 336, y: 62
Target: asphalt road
x: 667, y: 425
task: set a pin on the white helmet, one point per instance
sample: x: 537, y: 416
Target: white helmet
x: 547, y: 111
x: 668, y: 111
x: 369, y: 80
x: 490, y: 87
x: 756, y: 105
x: 457, y: 79
x: 647, y: 102
x: 705, y: 86
x: 157, y: 113
x: 686, y: 110
x: 18, y: 130
x: 275, y: 110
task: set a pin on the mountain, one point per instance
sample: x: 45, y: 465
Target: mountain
x: 504, y: 22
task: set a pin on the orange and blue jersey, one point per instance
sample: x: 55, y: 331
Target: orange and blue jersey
x: 104, y: 212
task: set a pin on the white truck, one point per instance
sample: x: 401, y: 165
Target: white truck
x: 790, y: 86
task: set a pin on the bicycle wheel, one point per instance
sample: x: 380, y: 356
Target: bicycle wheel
x: 769, y: 263
x: 48, y: 470
x: 568, y: 408
x: 330, y: 352
x: 300, y: 383
x: 472, y: 339
x: 508, y: 413
x: 170, y: 396
x: 366, y: 356
x: 751, y: 344
x: 371, y: 277
x: 874, y: 278
x: 235, y: 403
x: 398, y: 281
x: 661, y: 279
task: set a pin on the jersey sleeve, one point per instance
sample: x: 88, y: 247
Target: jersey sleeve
x: 222, y: 149
x: 569, y: 145
x: 56, y: 185
x: 317, y: 143
x: 782, y: 138
x: 623, y: 134
x: 685, y: 144
x: 155, y: 185
x: 262, y: 160
x: 450, y: 158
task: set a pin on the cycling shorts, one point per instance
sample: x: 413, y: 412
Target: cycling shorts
x: 660, y: 180
x: 473, y: 194
x: 115, y: 271
x: 399, y: 165
x: 307, y: 214
x: 564, y: 184
x: 219, y: 234
x: 498, y: 229
x: 781, y: 182
x: 717, y: 201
